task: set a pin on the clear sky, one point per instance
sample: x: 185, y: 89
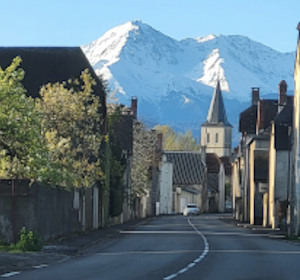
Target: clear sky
x: 78, y: 22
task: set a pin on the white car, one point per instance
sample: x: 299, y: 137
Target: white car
x: 191, y: 209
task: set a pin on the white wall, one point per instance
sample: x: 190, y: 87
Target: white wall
x: 222, y: 189
x: 165, y: 199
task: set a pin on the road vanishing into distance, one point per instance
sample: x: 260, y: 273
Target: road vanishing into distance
x: 177, y: 247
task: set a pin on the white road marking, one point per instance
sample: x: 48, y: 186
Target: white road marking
x: 156, y: 232
x: 40, y: 266
x: 196, y: 261
x: 10, y: 274
x: 170, y: 277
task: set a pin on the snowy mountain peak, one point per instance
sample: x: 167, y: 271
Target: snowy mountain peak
x: 213, y: 71
x: 206, y: 38
x: 108, y: 47
x: 174, y: 80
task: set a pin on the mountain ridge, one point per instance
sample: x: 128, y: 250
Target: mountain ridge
x: 174, y: 79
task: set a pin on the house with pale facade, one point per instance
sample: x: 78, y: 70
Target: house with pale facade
x: 259, y: 189
x: 182, y: 181
x: 293, y: 222
x: 280, y: 161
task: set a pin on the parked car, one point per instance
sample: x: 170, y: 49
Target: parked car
x: 191, y: 209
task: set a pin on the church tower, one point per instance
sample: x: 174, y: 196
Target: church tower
x: 216, y: 132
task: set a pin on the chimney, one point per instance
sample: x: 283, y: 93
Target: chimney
x: 160, y: 141
x: 255, y: 95
x: 134, y: 106
x: 203, y: 154
x: 282, y: 89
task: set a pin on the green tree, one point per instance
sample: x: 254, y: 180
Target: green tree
x: 143, y: 158
x: 72, y: 130
x: 22, y: 150
x: 173, y: 141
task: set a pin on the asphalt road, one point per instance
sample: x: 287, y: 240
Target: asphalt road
x: 177, y: 247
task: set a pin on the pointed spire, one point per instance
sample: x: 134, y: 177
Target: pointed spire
x: 217, y: 113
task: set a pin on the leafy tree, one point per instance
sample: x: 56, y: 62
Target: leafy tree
x: 71, y: 127
x: 22, y: 150
x: 173, y: 141
x: 143, y: 158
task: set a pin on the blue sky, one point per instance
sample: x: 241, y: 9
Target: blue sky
x: 78, y: 22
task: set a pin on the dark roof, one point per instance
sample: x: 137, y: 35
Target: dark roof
x: 217, y: 113
x: 212, y: 163
x: 188, y: 168
x: 282, y: 122
x: 50, y: 64
x: 269, y: 110
x: 286, y: 115
x: 248, y: 120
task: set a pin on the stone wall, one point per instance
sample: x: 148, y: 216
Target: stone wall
x: 47, y: 210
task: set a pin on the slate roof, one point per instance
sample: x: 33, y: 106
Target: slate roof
x: 286, y: 115
x: 268, y: 113
x: 217, y: 113
x: 188, y: 168
x: 50, y: 64
x: 248, y: 118
x: 282, y: 122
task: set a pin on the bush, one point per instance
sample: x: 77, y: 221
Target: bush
x: 29, y: 241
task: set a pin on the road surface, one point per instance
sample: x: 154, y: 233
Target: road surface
x: 176, y: 247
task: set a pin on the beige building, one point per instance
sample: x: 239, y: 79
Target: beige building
x: 216, y: 131
x: 294, y: 209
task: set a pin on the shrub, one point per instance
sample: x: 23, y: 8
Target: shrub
x: 29, y: 241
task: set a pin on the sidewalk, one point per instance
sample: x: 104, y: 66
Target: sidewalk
x: 258, y: 229
x: 60, y: 250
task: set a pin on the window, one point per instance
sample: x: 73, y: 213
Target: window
x: 207, y: 138
x: 217, y: 137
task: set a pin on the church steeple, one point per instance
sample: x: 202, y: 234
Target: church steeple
x: 216, y: 130
x: 217, y: 112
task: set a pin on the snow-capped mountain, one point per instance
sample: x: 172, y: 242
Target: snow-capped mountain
x: 174, y: 80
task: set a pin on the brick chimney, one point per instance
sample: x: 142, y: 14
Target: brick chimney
x: 282, y: 89
x: 255, y: 95
x: 160, y: 141
x: 203, y: 154
x: 134, y: 106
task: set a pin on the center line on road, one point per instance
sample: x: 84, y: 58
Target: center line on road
x: 10, y: 274
x: 196, y: 261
